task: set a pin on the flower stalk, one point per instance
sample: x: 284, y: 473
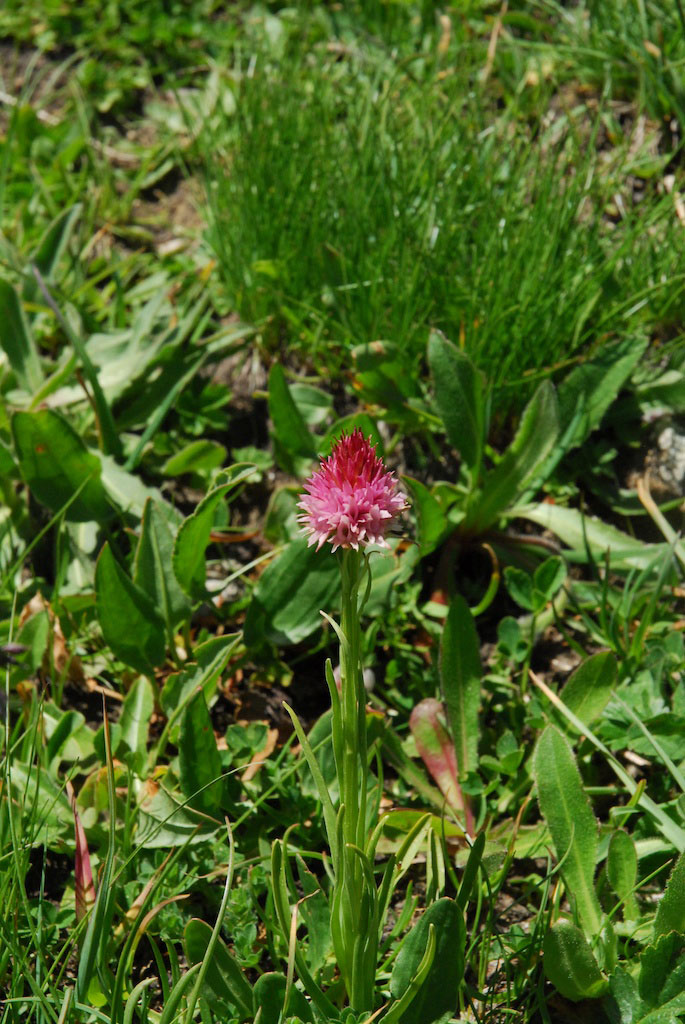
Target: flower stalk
x: 349, y: 503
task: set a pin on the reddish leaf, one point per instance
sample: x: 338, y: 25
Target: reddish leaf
x: 434, y: 744
x: 84, y: 885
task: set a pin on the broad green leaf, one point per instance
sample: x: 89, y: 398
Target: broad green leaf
x: 313, y: 404
x: 397, y: 824
x: 202, y: 674
x: 130, y: 622
x: 623, y: 990
x: 431, y: 521
x: 670, y: 1013
x: 572, y: 825
x: 17, y: 341
x: 622, y: 871
x: 128, y: 492
x: 670, y: 915
x: 519, y: 587
x: 195, y: 457
x: 135, y: 719
x: 550, y: 577
x: 224, y: 979
x: 198, y: 758
x: 55, y: 464
x: 662, y: 969
x: 436, y: 748
x: 269, y: 998
x: 594, y: 384
x: 439, y: 995
x: 164, y: 820
x: 194, y: 534
x: 460, y: 680
x: 290, y: 594
x: 152, y: 567
x: 382, y: 377
x: 576, y: 530
x: 459, y: 398
x: 388, y: 569
x: 570, y: 964
x: 294, y: 443
x: 534, y: 440
x: 43, y: 805
x: 69, y: 738
x: 34, y: 635
x: 280, y: 521
x: 589, y: 689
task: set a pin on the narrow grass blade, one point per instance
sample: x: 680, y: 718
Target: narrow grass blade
x: 322, y: 789
x: 97, y: 933
x: 17, y: 340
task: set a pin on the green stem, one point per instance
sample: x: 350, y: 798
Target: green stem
x: 353, y: 705
x: 353, y: 892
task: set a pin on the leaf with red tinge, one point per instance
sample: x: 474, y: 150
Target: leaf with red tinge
x: 434, y: 744
x: 84, y: 887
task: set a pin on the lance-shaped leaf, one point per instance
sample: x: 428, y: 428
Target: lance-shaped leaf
x: 224, y: 979
x: 84, y: 887
x: 17, y: 341
x: 622, y: 871
x: 153, y: 571
x: 437, y: 997
x: 589, y: 689
x: 198, y: 758
x: 459, y: 398
x: 434, y: 744
x: 294, y: 444
x: 135, y: 722
x: 195, y: 533
x: 460, y: 675
x: 287, y: 599
x: 532, y: 444
x: 570, y: 964
x: 582, y: 533
x: 670, y: 917
x: 431, y: 521
x: 130, y: 622
x: 572, y: 825
x: 56, y: 465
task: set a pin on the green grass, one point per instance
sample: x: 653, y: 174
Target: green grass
x: 631, y: 51
x: 363, y: 196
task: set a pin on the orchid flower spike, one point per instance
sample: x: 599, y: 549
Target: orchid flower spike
x: 352, y: 499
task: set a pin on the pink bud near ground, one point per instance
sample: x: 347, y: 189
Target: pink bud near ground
x: 352, y: 499
x: 84, y: 887
x: 434, y: 744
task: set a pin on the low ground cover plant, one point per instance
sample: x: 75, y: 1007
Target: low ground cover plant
x: 341, y: 468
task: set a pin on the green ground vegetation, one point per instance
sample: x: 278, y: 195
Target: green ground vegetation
x: 227, y: 233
